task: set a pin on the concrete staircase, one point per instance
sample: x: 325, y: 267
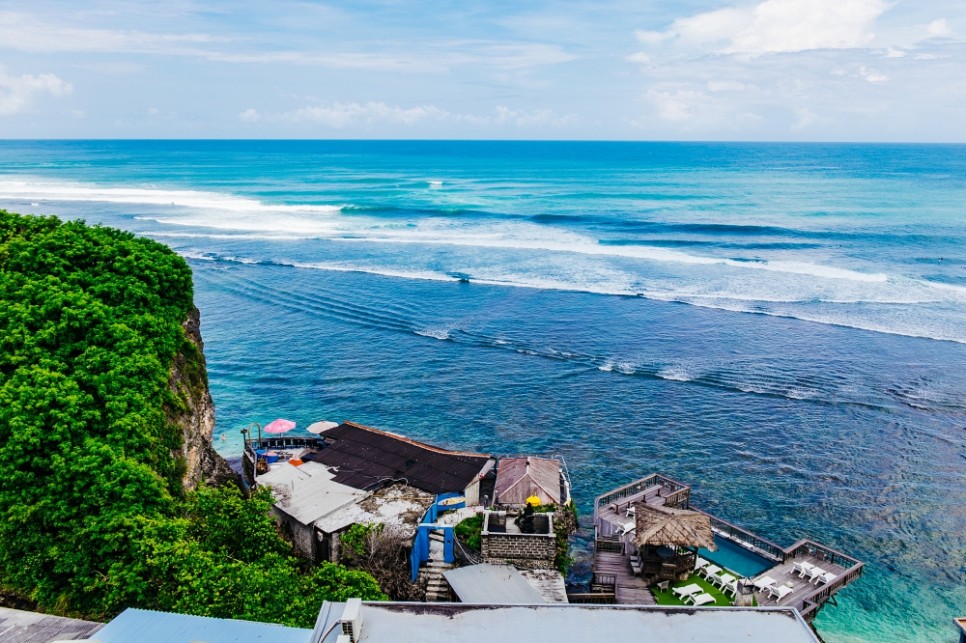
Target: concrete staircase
x: 437, y: 589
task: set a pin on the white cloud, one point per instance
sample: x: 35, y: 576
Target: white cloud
x: 872, y: 75
x: 892, y: 52
x: 727, y: 86
x: 17, y: 92
x: 776, y: 26
x: 938, y: 28
x: 342, y: 115
x: 677, y: 106
x: 805, y: 118
x: 640, y: 58
x: 250, y: 115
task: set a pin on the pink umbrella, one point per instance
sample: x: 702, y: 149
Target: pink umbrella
x: 279, y: 426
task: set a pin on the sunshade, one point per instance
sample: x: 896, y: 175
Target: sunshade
x: 673, y: 527
x: 319, y: 427
x: 533, y: 501
x: 279, y: 426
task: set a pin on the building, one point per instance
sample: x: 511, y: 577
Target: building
x: 518, y: 479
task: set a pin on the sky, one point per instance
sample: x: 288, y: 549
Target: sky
x: 782, y: 70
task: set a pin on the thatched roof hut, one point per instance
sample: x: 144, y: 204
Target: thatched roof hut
x: 658, y: 525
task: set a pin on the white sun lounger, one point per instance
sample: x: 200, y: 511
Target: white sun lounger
x: 699, y: 599
x: 803, y: 568
x: 687, y: 590
x: 826, y: 578
x: 779, y: 592
x: 816, y: 572
x: 723, y: 580
x: 731, y: 588
x: 699, y: 563
x: 764, y: 582
x: 710, y: 571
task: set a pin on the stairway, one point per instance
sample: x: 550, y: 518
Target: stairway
x: 437, y: 589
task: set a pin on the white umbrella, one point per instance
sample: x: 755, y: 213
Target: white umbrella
x: 319, y: 427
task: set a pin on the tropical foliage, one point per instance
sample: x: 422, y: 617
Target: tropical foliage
x: 93, y: 516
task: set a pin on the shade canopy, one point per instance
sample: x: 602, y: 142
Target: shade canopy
x: 279, y: 426
x: 533, y: 501
x: 672, y: 527
x: 319, y: 427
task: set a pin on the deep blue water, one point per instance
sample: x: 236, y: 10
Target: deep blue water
x: 781, y: 326
x: 736, y: 558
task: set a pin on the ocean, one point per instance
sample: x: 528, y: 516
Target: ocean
x: 782, y: 326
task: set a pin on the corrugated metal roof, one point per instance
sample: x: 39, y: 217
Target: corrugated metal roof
x: 308, y: 492
x: 146, y: 626
x: 366, y: 457
x: 519, y: 478
x: 488, y: 584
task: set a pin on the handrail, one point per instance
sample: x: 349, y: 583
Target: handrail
x: 637, y: 486
x: 739, y: 535
x: 811, y: 602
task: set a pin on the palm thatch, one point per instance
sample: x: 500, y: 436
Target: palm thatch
x: 658, y: 525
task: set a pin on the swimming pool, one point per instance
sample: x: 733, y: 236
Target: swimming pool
x: 736, y: 558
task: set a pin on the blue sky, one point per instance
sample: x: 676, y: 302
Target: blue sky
x: 825, y: 70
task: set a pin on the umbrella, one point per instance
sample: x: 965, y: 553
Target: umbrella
x: 279, y: 426
x: 319, y: 427
x: 672, y: 527
x: 534, y: 501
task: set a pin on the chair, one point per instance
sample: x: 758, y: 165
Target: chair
x: 687, y: 590
x: 779, y: 592
x: 765, y: 582
x: 731, y: 588
x: 699, y: 599
x: 699, y: 563
x: 710, y: 571
x: 803, y: 568
x: 631, y: 511
x: 723, y: 579
x: 826, y: 578
x: 663, y: 585
x: 816, y: 572
x: 623, y: 530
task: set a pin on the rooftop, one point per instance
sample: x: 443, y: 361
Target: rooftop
x: 309, y: 491
x: 365, y: 457
x: 147, y: 626
x: 18, y: 626
x: 447, y: 622
x: 519, y: 478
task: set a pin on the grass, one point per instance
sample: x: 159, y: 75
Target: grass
x: 668, y: 598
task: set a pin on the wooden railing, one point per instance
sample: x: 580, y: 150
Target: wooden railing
x: 814, y: 600
x: 671, y: 489
x: 746, y: 538
x: 592, y: 598
x: 284, y: 443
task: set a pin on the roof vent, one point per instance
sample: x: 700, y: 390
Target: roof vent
x: 352, y: 620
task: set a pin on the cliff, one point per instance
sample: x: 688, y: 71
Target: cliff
x: 194, y: 411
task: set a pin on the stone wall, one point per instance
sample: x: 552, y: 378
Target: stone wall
x: 530, y: 551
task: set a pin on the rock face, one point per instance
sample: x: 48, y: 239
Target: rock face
x: 194, y: 411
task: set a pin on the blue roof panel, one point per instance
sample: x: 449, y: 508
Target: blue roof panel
x: 146, y: 626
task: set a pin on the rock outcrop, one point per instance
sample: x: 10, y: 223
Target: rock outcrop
x: 194, y: 411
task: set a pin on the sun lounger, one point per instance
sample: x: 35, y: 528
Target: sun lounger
x: 710, y: 571
x: 699, y: 599
x: 699, y: 563
x: 764, y: 582
x: 779, y: 592
x: 826, y: 578
x: 803, y: 568
x: 626, y: 528
x: 687, y: 590
x: 723, y: 580
x: 816, y: 572
x: 731, y: 588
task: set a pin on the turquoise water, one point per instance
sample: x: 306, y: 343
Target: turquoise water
x: 781, y: 326
x: 736, y: 558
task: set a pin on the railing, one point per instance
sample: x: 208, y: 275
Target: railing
x: 811, y: 602
x: 810, y: 548
x: 669, y: 486
x: 605, y: 582
x: 609, y: 543
x: 284, y: 443
x: 592, y: 598
x: 746, y: 538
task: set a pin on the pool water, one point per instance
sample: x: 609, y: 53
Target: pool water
x: 736, y: 558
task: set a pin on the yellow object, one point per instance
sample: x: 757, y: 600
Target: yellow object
x: 533, y: 501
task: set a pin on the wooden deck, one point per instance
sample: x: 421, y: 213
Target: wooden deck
x: 628, y: 589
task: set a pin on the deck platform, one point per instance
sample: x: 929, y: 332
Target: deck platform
x: 628, y: 588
